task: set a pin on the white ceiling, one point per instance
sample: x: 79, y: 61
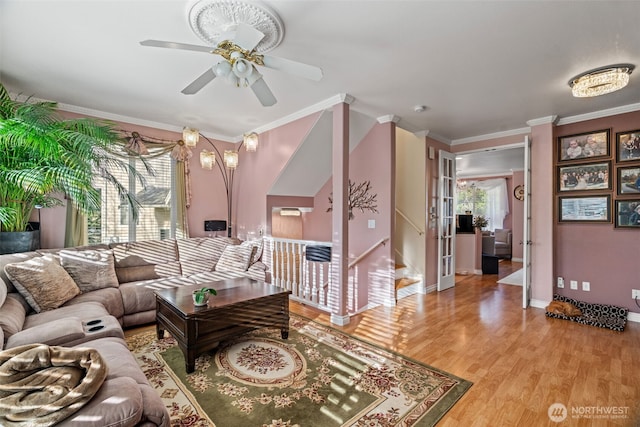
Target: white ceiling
x: 480, y: 67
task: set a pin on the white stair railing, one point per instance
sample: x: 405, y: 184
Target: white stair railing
x: 308, y: 281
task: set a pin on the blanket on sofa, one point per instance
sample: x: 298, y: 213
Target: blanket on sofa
x: 41, y: 385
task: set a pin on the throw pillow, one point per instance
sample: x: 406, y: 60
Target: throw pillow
x: 235, y: 258
x: 42, y: 282
x: 257, y: 247
x: 90, y: 269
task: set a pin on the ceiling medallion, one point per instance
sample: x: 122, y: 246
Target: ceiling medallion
x: 212, y: 19
x: 600, y: 81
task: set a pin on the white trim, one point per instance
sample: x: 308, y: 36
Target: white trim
x: 421, y: 133
x: 633, y: 317
x: 599, y: 114
x: 431, y: 288
x: 340, y: 320
x: 439, y: 138
x: 536, y: 303
x: 320, y: 106
x: 516, y: 259
x: 388, y: 118
x: 542, y: 121
x: 512, y: 132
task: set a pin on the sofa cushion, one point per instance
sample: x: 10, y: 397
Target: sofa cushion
x: 85, y: 312
x: 118, y: 403
x: 57, y: 332
x: 139, y: 296
x: 110, y: 298
x: 12, y: 316
x: 147, y: 259
x: 200, y: 254
x: 42, y: 282
x: 235, y: 258
x: 91, y: 269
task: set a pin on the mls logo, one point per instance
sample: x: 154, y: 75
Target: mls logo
x: 557, y: 412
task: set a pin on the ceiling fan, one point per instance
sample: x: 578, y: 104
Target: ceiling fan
x: 238, y: 65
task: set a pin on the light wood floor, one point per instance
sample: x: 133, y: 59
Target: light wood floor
x: 520, y: 361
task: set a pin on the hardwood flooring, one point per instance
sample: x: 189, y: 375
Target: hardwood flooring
x: 520, y: 361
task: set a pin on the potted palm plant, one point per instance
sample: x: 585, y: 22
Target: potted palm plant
x: 44, y: 158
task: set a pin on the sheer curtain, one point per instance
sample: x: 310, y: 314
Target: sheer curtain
x: 497, y: 201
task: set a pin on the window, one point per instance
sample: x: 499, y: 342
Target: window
x: 484, y: 197
x: 115, y: 222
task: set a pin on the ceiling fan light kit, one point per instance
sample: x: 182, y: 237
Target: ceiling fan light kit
x: 240, y: 33
x: 601, y: 81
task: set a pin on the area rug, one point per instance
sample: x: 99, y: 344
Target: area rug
x: 515, y: 278
x: 318, y: 377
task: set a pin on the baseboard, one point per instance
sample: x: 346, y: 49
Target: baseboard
x: 340, y: 320
x: 414, y: 288
x: 516, y: 259
x: 536, y: 303
x: 430, y: 288
x: 633, y: 317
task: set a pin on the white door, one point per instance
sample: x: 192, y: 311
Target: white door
x: 447, y: 221
x: 526, y: 233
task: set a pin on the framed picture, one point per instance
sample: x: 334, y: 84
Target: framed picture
x: 628, y: 213
x: 628, y: 146
x: 584, y: 209
x: 591, y: 145
x: 584, y: 176
x: 629, y: 180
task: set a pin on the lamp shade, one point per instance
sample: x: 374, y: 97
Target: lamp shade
x: 251, y: 141
x: 230, y: 159
x: 190, y: 136
x: 207, y: 159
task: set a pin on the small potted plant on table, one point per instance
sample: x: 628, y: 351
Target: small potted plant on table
x: 201, y: 296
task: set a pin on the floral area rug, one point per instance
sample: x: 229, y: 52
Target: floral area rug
x: 317, y: 377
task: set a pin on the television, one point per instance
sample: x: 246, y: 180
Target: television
x: 464, y: 223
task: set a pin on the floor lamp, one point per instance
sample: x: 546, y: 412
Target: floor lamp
x: 227, y: 164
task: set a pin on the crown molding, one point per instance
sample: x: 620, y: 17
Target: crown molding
x: 388, y: 118
x: 421, y: 133
x: 320, y: 106
x: 439, y: 138
x: 543, y: 121
x: 135, y: 121
x: 599, y: 114
x: 512, y: 132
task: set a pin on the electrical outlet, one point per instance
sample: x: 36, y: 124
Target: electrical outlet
x: 574, y: 284
x: 586, y: 286
x: 560, y: 282
x: 635, y: 293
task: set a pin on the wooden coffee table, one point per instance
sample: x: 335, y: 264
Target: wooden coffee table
x: 240, y: 306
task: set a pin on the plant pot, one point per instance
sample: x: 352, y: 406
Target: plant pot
x: 200, y: 299
x: 12, y: 242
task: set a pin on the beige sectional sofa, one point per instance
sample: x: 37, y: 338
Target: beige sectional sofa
x: 84, y: 296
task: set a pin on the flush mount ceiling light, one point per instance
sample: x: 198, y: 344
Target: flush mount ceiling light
x: 600, y: 81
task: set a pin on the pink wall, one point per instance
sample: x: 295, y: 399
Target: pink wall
x: 599, y: 253
x: 258, y: 171
x: 376, y: 148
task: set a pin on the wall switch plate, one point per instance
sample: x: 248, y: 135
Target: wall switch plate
x: 372, y: 223
x: 574, y: 284
x: 586, y: 286
x: 635, y: 293
x: 560, y: 282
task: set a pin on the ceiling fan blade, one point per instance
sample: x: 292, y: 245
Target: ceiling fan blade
x: 200, y: 82
x: 247, y: 37
x: 174, y: 45
x: 263, y: 93
x: 292, y: 67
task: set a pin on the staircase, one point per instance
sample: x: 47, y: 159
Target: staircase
x: 403, y: 280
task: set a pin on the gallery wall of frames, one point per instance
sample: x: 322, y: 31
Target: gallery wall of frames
x: 598, y: 178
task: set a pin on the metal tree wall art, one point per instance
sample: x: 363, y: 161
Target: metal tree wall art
x: 360, y: 197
